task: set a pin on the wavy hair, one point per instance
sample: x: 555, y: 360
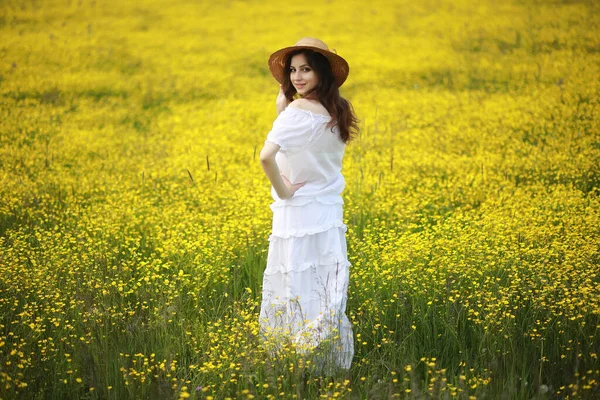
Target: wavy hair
x: 326, y: 92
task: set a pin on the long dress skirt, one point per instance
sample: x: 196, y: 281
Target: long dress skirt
x: 305, y: 283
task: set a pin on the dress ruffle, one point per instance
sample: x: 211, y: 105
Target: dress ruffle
x: 305, y: 283
x: 278, y: 234
x: 308, y: 306
x: 298, y: 201
x: 297, y: 253
x: 309, y: 219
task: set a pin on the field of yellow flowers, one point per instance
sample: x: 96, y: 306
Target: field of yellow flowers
x: 134, y: 213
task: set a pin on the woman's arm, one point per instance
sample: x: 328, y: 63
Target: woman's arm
x: 281, y: 102
x: 280, y: 183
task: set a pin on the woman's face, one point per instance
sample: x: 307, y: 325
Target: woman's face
x: 302, y: 76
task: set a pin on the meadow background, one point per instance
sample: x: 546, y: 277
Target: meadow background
x: 134, y: 213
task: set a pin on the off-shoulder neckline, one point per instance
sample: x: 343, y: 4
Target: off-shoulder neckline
x: 326, y: 117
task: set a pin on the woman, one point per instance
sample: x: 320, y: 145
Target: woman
x: 305, y: 282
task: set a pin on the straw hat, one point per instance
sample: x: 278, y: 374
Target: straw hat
x: 339, y: 66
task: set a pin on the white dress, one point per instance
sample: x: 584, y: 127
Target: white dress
x: 305, y: 283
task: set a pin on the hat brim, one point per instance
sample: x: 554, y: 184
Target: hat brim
x: 339, y: 66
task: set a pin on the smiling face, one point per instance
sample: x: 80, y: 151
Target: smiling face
x: 302, y: 76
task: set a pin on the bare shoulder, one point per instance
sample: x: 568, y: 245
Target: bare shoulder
x: 309, y: 105
x: 303, y: 104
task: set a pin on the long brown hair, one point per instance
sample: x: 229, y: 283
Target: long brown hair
x: 326, y: 92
